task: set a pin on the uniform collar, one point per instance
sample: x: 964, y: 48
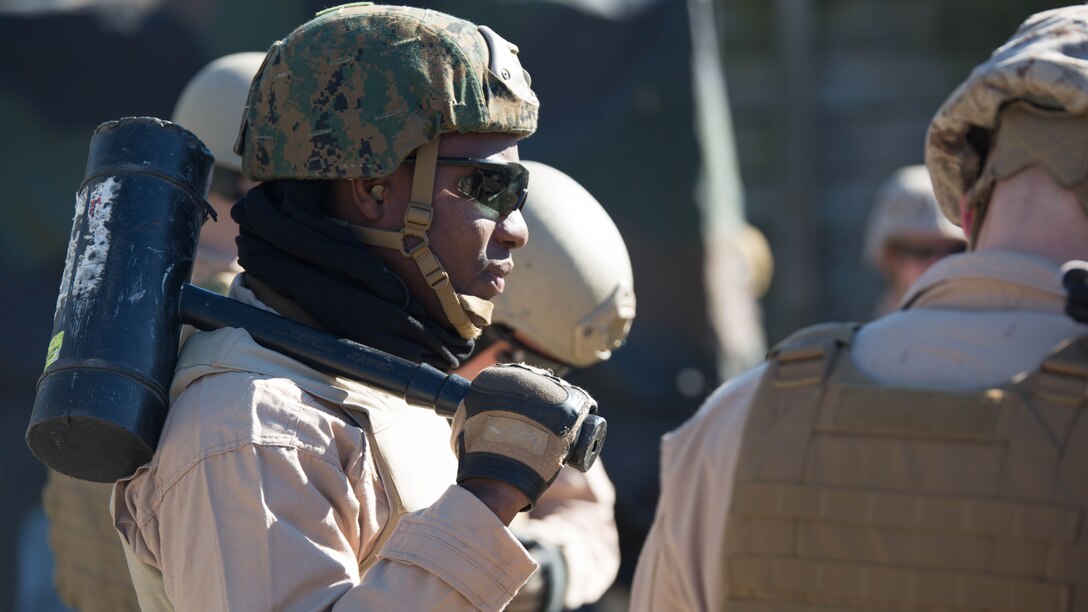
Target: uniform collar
x: 989, y: 280
x: 240, y: 291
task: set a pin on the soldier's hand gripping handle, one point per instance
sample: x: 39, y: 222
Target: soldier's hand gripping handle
x: 521, y: 425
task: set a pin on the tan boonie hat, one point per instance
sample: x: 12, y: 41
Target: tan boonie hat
x: 358, y: 89
x: 1041, y: 75
x: 354, y: 91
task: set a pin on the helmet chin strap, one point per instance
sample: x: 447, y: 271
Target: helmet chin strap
x: 468, y: 314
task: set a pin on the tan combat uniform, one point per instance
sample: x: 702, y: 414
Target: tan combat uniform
x: 868, y: 515
x: 575, y: 515
x: 265, y: 494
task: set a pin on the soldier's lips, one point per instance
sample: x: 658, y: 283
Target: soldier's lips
x: 495, y: 274
x: 496, y: 282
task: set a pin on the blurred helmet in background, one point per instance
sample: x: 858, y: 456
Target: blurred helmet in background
x: 212, y: 104
x: 571, y: 293
x: 905, y: 210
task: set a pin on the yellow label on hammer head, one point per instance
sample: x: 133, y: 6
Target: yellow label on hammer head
x: 54, y: 349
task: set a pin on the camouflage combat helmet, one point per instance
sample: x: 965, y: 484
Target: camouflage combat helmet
x: 354, y: 91
x: 571, y: 293
x: 359, y: 88
x: 1026, y: 105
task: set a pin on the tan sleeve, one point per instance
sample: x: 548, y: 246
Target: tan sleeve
x: 274, y: 503
x: 680, y: 567
x: 577, y: 515
x: 265, y: 528
x: 454, y: 555
x: 259, y: 528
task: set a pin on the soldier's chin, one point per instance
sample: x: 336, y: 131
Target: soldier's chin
x: 484, y: 287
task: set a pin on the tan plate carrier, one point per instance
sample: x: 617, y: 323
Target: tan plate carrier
x: 854, y: 495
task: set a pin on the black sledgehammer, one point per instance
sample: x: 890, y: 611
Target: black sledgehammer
x: 102, y: 399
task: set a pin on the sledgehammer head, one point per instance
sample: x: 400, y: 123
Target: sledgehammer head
x: 102, y: 398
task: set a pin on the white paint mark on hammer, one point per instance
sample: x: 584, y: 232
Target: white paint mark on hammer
x: 73, y: 240
x: 92, y: 262
x: 165, y: 276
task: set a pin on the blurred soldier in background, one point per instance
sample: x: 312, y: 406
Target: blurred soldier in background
x: 569, y: 303
x: 906, y: 234
x: 90, y: 571
x: 932, y: 459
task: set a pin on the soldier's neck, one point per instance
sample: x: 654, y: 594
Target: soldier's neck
x: 1030, y: 213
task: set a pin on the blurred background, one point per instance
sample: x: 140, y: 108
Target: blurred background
x: 692, y: 121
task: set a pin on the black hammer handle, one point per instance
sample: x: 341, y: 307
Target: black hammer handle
x: 418, y: 383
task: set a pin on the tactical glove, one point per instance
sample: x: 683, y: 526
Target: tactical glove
x: 519, y: 425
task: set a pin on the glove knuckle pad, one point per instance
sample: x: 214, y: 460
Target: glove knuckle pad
x: 543, y: 399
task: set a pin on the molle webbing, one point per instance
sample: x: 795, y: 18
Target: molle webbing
x: 855, y: 495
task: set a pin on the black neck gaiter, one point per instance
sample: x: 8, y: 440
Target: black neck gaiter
x: 286, y: 242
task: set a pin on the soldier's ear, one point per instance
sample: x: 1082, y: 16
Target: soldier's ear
x: 368, y: 196
x: 967, y: 218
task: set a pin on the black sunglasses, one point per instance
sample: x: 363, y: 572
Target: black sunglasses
x: 500, y: 186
